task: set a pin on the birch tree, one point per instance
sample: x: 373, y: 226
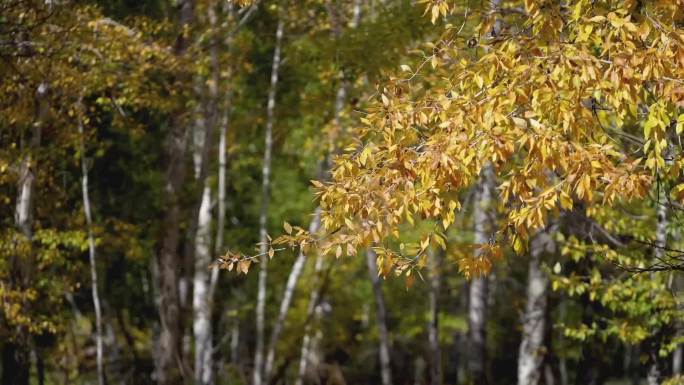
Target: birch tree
x: 433, y: 323
x: 92, y: 257
x: 478, y: 286
x: 655, y: 374
x: 531, y: 354
x: 202, y: 309
x: 381, y: 319
x: 258, y: 374
x: 308, y: 340
x: 202, y: 280
x: 16, y: 354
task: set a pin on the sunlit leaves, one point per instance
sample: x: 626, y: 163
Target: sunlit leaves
x: 566, y: 112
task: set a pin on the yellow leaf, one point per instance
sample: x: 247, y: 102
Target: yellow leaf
x: 364, y: 156
x: 243, y: 266
x: 479, y: 81
x: 385, y: 100
x: 440, y: 241
x: 425, y: 243
x: 518, y: 246
x: 519, y: 122
x: 316, y: 183
x: 435, y: 13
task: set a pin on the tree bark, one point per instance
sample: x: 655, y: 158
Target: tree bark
x: 258, y: 375
x: 654, y: 376
x: 91, y: 252
x: 16, y: 353
x: 170, y: 366
x: 201, y: 301
x: 222, y: 160
x: 235, y: 342
x: 204, y: 281
x: 477, y: 304
x: 483, y: 217
x: 532, y: 350
x: 381, y: 317
x: 435, y: 261
x: 677, y: 361
x: 169, y: 358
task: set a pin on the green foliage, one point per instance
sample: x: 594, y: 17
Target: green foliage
x: 576, y: 107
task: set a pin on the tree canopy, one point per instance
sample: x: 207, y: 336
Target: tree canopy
x: 427, y: 192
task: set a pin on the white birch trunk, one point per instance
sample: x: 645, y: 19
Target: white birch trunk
x: 477, y: 304
x: 381, y: 317
x: 91, y: 252
x: 16, y: 356
x: 223, y: 161
x: 478, y: 290
x: 24, y: 206
x: 258, y: 375
x: 200, y: 300
x: 531, y: 353
x: 677, y: 360
x: 204, y: 281
x: 675, y: 285
x: 286, y: 301
x: 655, y: 374
x: 304, y: 359
x: 235, y: 342
x: 23, y: 214
x: 433, y: 325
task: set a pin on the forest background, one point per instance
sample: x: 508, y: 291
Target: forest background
x: 341, y: 192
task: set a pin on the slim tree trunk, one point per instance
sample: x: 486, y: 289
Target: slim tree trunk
x: 222, y: 159
x: 655, y: 371
x: 483, y: 217
x: 220, y: 198
x: 381, y: 317
x: 311, y: 309
x: 235, y: 342
x: 23, y: 215
x: 91, y: 252
x: 531, y: 354
x: 435, y: 262
x: 675, y: 286
x: 677, y: 360
x: 170, y: 365
x: 202, y: 281
x: 169, y: 358
x: 477, y: 293
x: 476, y: 329
x: 258, y: 375
x: 200, y: 302
x: 287, y: 298
x: 16, y: 353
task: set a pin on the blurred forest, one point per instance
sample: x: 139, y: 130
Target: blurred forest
x: 264, y: 192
